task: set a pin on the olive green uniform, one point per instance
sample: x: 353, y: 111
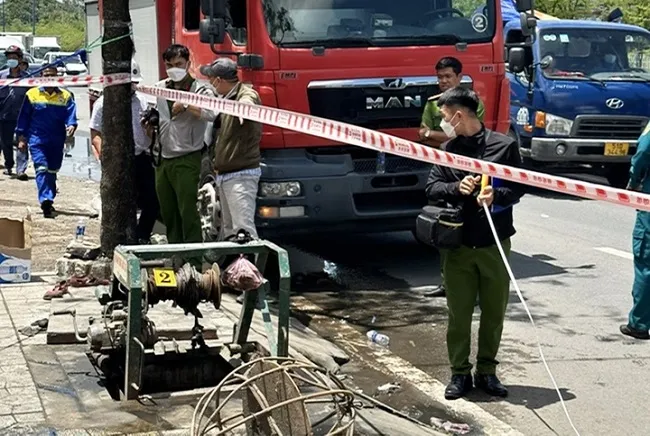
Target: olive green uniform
x: 177, y: 176
x: 431, y: 118
x: 476, y: 268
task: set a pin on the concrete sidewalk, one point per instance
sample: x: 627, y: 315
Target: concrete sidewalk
x: 55, y: 390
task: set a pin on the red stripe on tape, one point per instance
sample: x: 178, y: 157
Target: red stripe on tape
x: 347, y: 133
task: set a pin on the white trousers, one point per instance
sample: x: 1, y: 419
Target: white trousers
x: 237, y: 200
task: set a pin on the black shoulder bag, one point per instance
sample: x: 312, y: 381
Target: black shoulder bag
x: 440, y: 227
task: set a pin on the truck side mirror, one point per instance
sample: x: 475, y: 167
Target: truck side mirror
x: 250, y: 61
x: 517, y: 59
x: 525, y: 5
x: 213, y: 8
x: 212, y: 30
x: 528, y: 24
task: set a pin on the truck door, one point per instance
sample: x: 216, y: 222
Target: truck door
x: 521, y: 108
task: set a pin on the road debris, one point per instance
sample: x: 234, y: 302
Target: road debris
x: 388, y: 388
x: 450, y: 427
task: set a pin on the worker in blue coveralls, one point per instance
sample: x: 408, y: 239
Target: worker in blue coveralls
x: 48, y: 116
x: 11, y: 99
x: 638, y: 322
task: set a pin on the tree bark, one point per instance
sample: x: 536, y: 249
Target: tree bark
x: 118, y: 154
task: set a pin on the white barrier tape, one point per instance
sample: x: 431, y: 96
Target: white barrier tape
x: 349, y: 134
x: 504, y: 258
x: 362, y: 137
x: 112, y: 79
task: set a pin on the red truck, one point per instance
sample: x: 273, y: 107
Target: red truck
x: 364, y: 62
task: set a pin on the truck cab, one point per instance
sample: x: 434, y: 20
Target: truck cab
x: 367, y: 63
x: 582, y: 100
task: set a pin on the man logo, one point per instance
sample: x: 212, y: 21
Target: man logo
x: 614, y: 103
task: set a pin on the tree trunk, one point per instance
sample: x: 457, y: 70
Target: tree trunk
x: 118, y: 154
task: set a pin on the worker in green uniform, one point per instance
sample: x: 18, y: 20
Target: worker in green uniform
x: 181, y: 132
x: 449, y: 71
x: 639, y: 318
x: 475, y: 267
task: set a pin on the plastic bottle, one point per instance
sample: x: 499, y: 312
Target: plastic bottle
x: 81, y: 230
x: 378, y: 338
x: 381, y: 163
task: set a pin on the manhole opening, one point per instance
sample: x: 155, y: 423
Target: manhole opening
x: 171, y: 372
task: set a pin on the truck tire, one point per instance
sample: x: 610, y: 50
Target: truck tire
x: 618, y: 175
x: 207, y: 203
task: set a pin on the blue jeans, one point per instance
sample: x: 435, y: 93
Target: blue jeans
x: 22, y: 159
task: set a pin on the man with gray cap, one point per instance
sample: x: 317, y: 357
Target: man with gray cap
x: 236, y: 149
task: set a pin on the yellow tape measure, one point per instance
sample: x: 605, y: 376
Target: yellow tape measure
x: 485, y: 180
x: 164, y: 277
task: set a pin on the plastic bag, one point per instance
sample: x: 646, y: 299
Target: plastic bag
x: 242, y: 275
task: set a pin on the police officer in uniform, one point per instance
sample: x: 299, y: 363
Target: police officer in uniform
x: 450, y: 73
x: 475, y: 268
x: 638, y: 322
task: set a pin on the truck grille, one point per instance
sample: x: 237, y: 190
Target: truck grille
x: 609, y: 127
x: 374, y: 103
x: 394, y: 164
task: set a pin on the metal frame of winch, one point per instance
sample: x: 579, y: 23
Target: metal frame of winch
x: 130, y: 264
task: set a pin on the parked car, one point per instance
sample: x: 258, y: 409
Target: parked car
x: 71, y: 63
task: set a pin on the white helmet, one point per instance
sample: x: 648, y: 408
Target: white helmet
x: 136, y: 76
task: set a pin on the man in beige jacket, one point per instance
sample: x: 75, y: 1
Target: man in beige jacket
x: 237, y: 151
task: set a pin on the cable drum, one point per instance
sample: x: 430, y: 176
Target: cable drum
x: 192, y: 288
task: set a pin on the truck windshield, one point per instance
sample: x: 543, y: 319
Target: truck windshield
x: 365, y: 23
x: 595, y: 54
x: 40, y: 52
x: 68, y: 59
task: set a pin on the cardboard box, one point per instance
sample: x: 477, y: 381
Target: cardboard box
x: 15, y: 250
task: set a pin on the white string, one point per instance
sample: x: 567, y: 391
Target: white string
x: 530, y: 316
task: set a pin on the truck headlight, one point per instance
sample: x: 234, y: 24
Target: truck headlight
x: 280, y: 189
x: 558, y: 126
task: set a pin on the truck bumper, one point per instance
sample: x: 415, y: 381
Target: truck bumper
x: 578, y: 150
x: 340, y: 194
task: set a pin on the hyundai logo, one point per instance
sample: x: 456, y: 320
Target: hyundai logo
x: 614, y: 103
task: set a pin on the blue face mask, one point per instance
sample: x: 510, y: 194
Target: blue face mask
x: 12, y: 63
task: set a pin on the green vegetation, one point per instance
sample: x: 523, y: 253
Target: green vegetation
x: 635, y: 12
x: 65, y: 19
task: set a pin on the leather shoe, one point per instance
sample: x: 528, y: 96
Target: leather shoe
x: 459, y: 386
x: 490, y: 384
x: 637, y: 334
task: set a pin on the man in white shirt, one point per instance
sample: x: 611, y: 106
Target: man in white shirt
x: 147, y: 200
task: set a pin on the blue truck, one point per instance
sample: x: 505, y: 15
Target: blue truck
x: 584, y: 97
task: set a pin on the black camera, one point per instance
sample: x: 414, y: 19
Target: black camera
x: 150, y: 117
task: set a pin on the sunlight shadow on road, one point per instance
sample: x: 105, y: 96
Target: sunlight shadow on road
x: 531, y: 397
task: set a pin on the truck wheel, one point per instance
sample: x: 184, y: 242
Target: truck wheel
x: 208, y: 202
x: 618, y: 175
x: 526, y: 161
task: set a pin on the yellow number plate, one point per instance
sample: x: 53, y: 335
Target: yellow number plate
x: 616, y: 149
x: 164, y: 278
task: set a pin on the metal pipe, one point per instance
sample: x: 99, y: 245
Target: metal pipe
x: 73, y: 313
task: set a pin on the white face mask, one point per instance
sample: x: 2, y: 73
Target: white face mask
x: 12, y: 63
x: 176, y: 74
x: 448, y: 128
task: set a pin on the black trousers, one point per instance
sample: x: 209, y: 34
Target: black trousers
x: 7, y: 129
x: 147, y: 200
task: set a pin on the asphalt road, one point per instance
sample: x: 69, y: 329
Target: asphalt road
x: 572, y: 260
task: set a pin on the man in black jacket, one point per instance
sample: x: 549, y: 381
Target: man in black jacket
x: 475, y: 268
